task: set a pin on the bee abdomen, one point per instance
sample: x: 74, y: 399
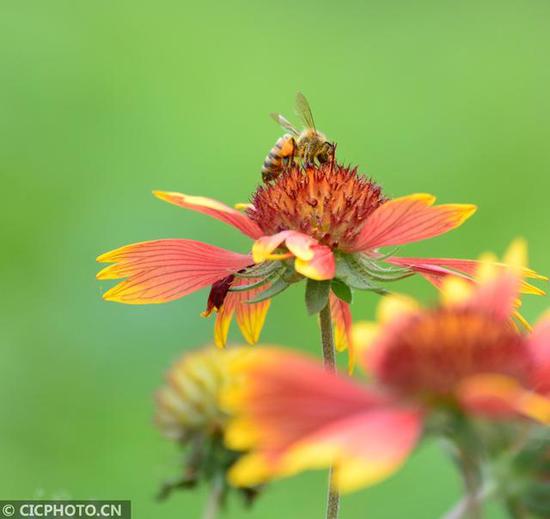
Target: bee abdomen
x: 273, y: 163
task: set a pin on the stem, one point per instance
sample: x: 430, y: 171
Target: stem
x: 214, y: 502
x: 515, y: 510
x: 327, y: 338
x: 327, y: 341
x: 463, y: 506
x: 470, y: 475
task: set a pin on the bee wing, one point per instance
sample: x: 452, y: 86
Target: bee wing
x: 285, y: 123
x: 304, y: 111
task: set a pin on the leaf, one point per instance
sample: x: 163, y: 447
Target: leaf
x: 317, y: 293
x: 276, y: 288
x: 342, y: 290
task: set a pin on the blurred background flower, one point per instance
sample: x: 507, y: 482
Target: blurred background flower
x: 448, y: 365
x: 189, y: 412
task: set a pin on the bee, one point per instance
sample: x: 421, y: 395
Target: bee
x: 308, y: 146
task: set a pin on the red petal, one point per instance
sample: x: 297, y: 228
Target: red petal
x: 163, y: 270
x: 498, y: 296
x: 321, y: 267
x: 435, y: 270
x: 299, y: 244
x: 409, y: 219
x: 296, y: 415
x: 499, y: 396
x: 467, y: 266
x: 250, y: 317
x: 264, y: 246
x: 215, y: 209
x: 341, y: 317
x: 539, y: 344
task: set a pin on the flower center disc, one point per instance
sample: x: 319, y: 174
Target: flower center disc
x: 329, y: 203
x: 430, y: 354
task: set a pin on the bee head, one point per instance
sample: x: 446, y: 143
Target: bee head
x: 327, y: 152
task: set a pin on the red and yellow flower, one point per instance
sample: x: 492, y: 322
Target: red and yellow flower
x: 321, y: 223
x: 463, y: 356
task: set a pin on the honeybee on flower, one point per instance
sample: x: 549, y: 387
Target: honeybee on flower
x: 309, y: 145
x: 322, y: 223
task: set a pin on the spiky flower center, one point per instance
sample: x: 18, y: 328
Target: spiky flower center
x: 431, y: 353
x: 328, y: 202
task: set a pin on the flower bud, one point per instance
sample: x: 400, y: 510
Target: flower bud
x: 188, y: 411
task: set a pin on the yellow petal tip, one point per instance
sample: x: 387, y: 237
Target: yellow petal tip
x: 104, y: 258
x: 163, y: 195
x: 427, y: 198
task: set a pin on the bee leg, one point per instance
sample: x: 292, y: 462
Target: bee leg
x: 293, y: 154
x: 333, y: 157
x: 307, y: 158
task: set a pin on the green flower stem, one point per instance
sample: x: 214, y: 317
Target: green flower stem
x: 467, y: 455
x: 470, y: 476
x: 327, y: 341
x: 214, y: 502
x: 462, y: 508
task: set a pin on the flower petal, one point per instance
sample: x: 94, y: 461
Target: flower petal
x: 295, y: 415
x: 484, y: 283
x: 341, y: 317
x: 163, y: 270
x: 409, y: 219
x: 299, y: 244
x: 250, y: 316
x: 364, y: 334
x: 213, y: 208
x: 456, y: 291
x: 251, y: 319
x: 539, y: 345
x: 395, y: 306
x: 429, y: 270
x: 435, y: 270
x: 466, y: 266
x: 498, y: 296
x: 322, y: 266
x: 264, y: 246
x: 224, y: 316
x: 499, y: 396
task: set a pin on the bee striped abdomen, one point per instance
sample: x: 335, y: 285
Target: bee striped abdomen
x: 273, y: 163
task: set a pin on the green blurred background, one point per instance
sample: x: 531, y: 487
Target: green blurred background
x: 103, y: 101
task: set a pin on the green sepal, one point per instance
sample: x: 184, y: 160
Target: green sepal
x: 260, y: 270
x: 353, y: 274
x: 259, y: 283
x: 380, y: 273
x: 361, y: 273
x: 342, y: 290
x: 317, y: 293
x: 276, y: 288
